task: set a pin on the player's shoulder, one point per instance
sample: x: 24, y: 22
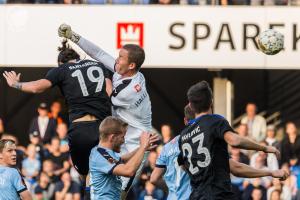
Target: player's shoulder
x: 10, y: 172
x: 211, y: 118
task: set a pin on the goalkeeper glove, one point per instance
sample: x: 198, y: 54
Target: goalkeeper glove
x: 65, y: 31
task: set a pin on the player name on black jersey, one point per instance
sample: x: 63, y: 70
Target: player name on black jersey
x: 80, y: 65
x: 190, y: 134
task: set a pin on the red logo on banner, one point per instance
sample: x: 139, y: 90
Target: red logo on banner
x: 130, y: 33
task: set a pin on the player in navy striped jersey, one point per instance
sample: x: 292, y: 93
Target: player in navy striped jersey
x: 130, y: 98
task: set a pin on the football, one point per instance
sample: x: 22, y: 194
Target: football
x: 270, y: 42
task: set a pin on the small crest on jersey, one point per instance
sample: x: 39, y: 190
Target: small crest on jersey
x: 137, y: 87
x: 112, y: 161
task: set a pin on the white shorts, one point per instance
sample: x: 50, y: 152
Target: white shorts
x: 132, y: 142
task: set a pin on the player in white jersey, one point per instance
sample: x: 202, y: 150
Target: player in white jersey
x: 130, y: 98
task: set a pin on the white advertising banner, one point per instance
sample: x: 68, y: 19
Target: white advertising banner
x: 172, y: 36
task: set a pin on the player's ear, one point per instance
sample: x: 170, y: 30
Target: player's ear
x: 1, y: 156
x: 132, y: 65
x: 111, y: 137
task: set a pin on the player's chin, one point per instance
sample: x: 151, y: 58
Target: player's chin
x: 13, y: 161
x: 117, y: 149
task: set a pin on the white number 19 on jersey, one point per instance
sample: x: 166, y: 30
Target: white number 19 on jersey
x: 99, y: 80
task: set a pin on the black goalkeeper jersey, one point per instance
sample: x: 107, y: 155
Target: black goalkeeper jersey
x: 204, y: 154
x: 83, y: 85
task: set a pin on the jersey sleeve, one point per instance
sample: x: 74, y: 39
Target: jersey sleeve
x: 54, y: 76
x: 222, y: 127
x: 97, y: 53
x: 18, y: 181
x: 180, y: 159
x: 161, y: 161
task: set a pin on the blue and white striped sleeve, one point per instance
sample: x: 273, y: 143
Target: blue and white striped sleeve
x: 161, y: 161
x: 18, y: 181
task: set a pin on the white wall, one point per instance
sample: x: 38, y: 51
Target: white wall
x: 28, y: 34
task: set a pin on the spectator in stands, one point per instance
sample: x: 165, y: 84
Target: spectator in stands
x: 291, y: 181
x: 31, y: 165
x: 263, y: 2
x: 270, y: 139
x: 66, y: 188
x: 44, y: 189
x: 164, y: 2
x: 284, y: 191
x: 256, y: 124
x: 150, y: 192
x: 150, y: 164
x: 166, y: 132
x: 238, y: 156
x: 35, y: 139
x: 43, y: 124
x: 59, y: 159
x: 254, y: 185
x: 237, y: 2
x: 62, y: 131
x: 54, y: 113
x: 48, y: 168
x: 275, y: 195
x: 1, y: 127
x: 257, y: 194
x: 290, y: 145
x: 260, y: 159
x: 242, y: 130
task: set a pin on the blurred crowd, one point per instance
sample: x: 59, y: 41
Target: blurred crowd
x: 162, y: 2
x: 49, y: 174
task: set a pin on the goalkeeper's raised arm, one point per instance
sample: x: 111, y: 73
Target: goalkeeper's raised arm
x: 88, y: 47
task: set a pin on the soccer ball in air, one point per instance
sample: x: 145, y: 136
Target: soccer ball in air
x: 270, y: 42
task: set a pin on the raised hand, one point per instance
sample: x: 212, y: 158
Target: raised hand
x: 12, y: 79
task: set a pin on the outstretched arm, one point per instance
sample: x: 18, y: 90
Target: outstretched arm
x: 38, y: 86
x: 88, y: 47
x: 242, y: 170
x: 244, y: 143
x: 157, y: 174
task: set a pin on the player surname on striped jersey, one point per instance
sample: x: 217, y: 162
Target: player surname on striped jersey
x: 176, y: 178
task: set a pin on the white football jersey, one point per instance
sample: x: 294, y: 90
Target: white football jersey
x: 130, y: 98
x: 131, y: 101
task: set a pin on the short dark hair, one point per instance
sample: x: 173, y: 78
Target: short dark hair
x: 66, y: 53
x: 136, y: 55
x: 200, y: 97
x: 189, y: 114
x: 111, y: 125
x: 3, y: 143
